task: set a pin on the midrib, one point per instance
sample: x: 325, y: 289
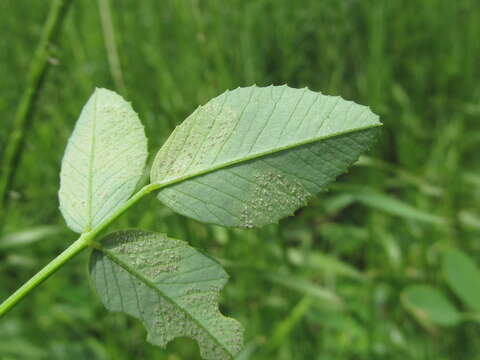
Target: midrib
x: 155, y: 288
x: 254, y: 156
x: 91, y: 166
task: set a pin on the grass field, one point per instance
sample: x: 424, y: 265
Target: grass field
x: 326, y: 284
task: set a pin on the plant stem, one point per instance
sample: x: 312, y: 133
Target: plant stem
x: 44, y: 274
x: 24, y: 112
x: 111, y: 45
x: 86, y: 239
x: 147, y: 189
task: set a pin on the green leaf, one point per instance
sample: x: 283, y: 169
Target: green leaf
x: 463, y: 276
x: 307, y: 287
x: 171, y: 287
x: 326, y: 263
x: 430, y: 305
x: 252, y: 156
x: 285, y: 328
x: 103, y: 162
x: 393, y: 206
x: 27, y: 237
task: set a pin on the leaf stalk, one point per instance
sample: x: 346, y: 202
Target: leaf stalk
x: 85, y: 240
x: 80, y: 244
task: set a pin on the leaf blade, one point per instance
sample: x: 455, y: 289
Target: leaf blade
x: 284, y: 143
x: 169, y: 286
x: 103, y: 162
x: 463, y: 277
x: 429, y: 304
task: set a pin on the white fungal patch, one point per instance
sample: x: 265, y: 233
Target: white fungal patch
x: 234, y: 161
x: 202, y: 134
x: 275, y: 195
x: 172, y: 288
x: 103, y: 162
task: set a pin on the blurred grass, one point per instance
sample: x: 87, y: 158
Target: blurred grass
x: 414, y: 62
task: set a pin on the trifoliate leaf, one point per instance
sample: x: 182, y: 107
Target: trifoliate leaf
x: 254, y: 155
x: 171, y: 287
x: 103, y: 162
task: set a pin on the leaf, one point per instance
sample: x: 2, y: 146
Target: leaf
x: 307, y: 287
x: 103, y: 162
x: 171, y: 287
x: 469, y: 219
x: 430, y: 305
x: 330, y: 264
x: 463, y: 276
x: 402, y: 177
x: 284, y: 329
x: 252, y: 156
x: 27, y: 237
x: 393, y: 206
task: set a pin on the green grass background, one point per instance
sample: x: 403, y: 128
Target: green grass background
x: 416, y: 63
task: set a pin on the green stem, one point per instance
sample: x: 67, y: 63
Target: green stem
x: 147, y: 189
x: 44, y: 274
x: 111, y: 44
x: 38, y: 70
x: 86, y: 239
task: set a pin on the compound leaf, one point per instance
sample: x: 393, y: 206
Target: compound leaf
x: 171, y: 287
x: 252, y: 156
x: 103, y: 162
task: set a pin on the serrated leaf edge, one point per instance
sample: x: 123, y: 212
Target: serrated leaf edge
x: 126, y: 267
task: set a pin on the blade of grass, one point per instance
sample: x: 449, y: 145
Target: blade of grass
x: 27, y: 237
x: 283, y: 329
x: 108, y: 32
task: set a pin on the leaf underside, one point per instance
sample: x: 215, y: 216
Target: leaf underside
x: 103, y: 162
x: 252, y: 156
x: 171, y: 287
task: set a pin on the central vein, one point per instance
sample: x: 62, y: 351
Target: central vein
x: 91, y: 166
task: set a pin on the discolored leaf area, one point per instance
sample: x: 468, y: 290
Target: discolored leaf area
x: 103, y: 162
x: 171, y: 287
x: 254, y: 155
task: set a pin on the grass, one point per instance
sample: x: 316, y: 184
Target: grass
x: 414, y: 62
